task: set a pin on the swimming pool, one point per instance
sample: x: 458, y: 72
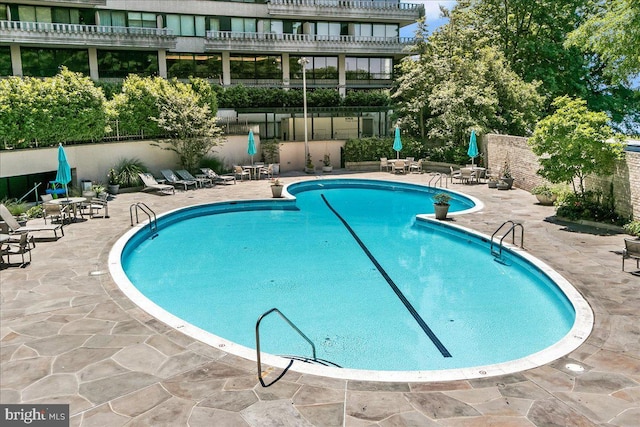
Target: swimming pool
x: 298, y: 255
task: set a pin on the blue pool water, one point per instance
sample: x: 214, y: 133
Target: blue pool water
x: 348, y: 262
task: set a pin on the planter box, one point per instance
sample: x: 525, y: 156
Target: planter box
x: 363, y: 166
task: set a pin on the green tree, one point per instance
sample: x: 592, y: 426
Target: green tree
x: 532, y: 35
x: 137, y: 104
x: 458, y: 83
x: 612, y: 31
x: 574, y: 142
x: 188, y: 122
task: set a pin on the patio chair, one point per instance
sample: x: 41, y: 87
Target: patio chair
x: 631, y: 251
x: 398, y: 166
x: 55, y: 212
x: 173, y: 179
x: 416, y: 167
x: 266, y: 170
x: 16, y: 228
x: 239, y: 171
x: 98, y: 204
x: 384, y: 164
x: 201, y: 180
x: 19, y: 247
x: 455, y: 175
x: 226, y: 179
x: 150, y: 183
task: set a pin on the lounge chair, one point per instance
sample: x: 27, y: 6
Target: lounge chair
x: 226, y: 179
x: 173, y: 179
x: 150, y: 183
x: 16, y: 228
x: 631, y: 250
x: 201, y: 180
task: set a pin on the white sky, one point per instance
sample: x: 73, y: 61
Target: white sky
x: 432, y: 15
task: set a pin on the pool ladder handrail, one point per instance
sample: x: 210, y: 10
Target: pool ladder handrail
x: 438, y: 180
x: 498, y: 253
x: 151, y: 215
x: 265, y: 314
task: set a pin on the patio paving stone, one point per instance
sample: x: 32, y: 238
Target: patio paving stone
x: 69, y: 335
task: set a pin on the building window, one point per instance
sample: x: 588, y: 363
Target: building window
x: 373, y: 30
x: 368, y: 68
x: 142, y: 20
x: 243, y: 25
x: 34, y: 14
x: 41, y: 62
x: 319, y: 67
x: 4, y: 15
x: 5, y: 61
x: 187, y: 25
x: 112, y: 18
x: 185, y: 65
x: 253, y: 67
x: 121, y: 63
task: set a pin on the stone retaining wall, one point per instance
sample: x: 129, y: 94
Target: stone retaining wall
x: 625, y: 182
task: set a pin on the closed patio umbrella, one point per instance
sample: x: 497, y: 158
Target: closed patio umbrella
x: 251, y: 149
x: 64, y: 170
x: 397, y: 143
x: 473, y: 147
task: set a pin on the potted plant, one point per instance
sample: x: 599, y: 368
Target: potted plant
x: 326, y: 163
x: 545, y: 194
x: 112, y: 181
x: 276, y: 188
x: 308, y: 167
x: 441, y: 205
x: 506, y: 179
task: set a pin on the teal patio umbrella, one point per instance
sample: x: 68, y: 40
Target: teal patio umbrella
x: 251, y: 149
x: 397, y: 143
x: 64, y: 170
x: 473, y: 147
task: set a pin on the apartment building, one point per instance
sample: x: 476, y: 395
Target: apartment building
x: 348, y: 44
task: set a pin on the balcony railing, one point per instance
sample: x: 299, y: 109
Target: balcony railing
x: 85, y: 35
x: 376, y: 10
x: 269, y: 42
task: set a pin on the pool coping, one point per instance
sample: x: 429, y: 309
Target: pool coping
x: 576, y: 336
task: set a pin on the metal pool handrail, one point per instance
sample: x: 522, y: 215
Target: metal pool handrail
x: 313, y: 347
x: 511, y: 230
x: 153, y: 223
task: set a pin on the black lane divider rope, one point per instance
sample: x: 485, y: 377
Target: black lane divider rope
x: 427, y: 330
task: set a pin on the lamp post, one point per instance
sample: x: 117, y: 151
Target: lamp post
x: 304, y: 61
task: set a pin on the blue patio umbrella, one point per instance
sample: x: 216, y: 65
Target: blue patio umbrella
x: 251, y: 149
x: 64, y: 170
x: 473, y: 147
x: 397, y: 143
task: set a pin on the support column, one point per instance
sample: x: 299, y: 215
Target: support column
x: 226, y: 69
x: 342, y: 75
x: 94, y: 72
x: 16, y: 60
x: 162, y: 63
x: 286, y: 71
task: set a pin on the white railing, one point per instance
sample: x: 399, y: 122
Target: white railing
x: 349, y: 4
x: 307, y: 38
x: 54, y: 27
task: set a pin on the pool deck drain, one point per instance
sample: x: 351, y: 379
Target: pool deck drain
x: 68, y: 336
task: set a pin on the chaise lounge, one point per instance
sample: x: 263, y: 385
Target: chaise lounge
x: 16, y: 228
x: 150, y: 183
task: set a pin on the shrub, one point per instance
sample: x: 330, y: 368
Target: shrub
x: 633, y: 228
x: 36, y: 211
x: 212, y: 163
x: 126, y: 172
x: 15, y: 207
x: 588, y: 206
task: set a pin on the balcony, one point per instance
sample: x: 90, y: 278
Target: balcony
x: 77, y: 2
x: 348, y: 10
x: 56, y: 34
x: 309, y: 43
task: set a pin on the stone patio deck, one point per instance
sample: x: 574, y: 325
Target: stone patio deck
x: 68, y: 335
